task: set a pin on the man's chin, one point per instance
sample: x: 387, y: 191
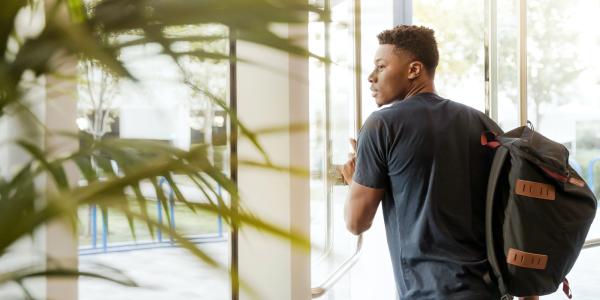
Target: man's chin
x: 381, y: 102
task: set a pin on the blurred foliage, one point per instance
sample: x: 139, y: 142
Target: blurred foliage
x: 71, y: 31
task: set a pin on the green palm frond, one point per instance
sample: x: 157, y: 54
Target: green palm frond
x: 89, y: 32
x: 109, y: 194
x: 9, y: 11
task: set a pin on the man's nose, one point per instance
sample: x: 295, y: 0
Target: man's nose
x: 372, y: 78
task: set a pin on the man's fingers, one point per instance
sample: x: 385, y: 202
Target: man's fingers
x: 348, y: 167
x: 347, y: 170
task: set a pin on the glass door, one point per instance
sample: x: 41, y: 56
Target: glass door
x: 336, y: 88
x: 332, y: 124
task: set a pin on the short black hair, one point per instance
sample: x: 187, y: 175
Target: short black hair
x: 417, y: 40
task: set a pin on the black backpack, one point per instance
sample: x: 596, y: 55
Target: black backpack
x: 538, y: 213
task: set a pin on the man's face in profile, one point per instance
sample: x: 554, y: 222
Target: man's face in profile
x: 389, y: 80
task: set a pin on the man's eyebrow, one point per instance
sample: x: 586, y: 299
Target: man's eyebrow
x: 377, y: 60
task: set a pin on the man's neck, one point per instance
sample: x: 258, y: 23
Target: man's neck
x: 421, y: 87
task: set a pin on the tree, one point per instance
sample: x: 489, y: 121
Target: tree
x: 552, y: 55
x: 458, y: 28
x: 551, y: 59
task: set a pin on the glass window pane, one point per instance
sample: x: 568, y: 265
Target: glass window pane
x: 332, y: 101
x: 507, y: 50
x: 458, y: 26
x: 332, y: 124
x: 372, y: 277
x: 564, y: 81
x: 563, y: 88
x: 318, y: 150
x: 376, y: 17
x: 159, y: 107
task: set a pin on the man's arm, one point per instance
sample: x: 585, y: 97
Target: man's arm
x: 361, y: 207
x: 362, y: 202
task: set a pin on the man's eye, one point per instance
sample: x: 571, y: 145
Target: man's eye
x: 380, y: 67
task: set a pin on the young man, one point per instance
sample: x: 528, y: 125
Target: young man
x: 422, y: 158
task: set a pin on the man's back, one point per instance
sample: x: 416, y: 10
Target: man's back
x: 425, y: 152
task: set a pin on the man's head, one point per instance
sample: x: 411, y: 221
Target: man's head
x: 404, y: 62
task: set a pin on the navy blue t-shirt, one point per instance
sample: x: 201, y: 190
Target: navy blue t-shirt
x: 425, y: 152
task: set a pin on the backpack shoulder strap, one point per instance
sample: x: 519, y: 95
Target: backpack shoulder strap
x: 497, y: 164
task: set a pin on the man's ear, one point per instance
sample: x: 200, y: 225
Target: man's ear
x: 415, y: 69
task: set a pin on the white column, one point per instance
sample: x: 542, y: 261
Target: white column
x: 60, y: 114
x: 60, y: 240
x: 273, y: 96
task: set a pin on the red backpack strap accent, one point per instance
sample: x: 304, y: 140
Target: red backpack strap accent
x: 567, y: 289
x: 488, y: 139
x: 572, y: 180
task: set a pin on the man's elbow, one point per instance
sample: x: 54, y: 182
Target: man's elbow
x: 356, y: 228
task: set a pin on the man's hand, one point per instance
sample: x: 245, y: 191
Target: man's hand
x: 362, y: 201
x: 349, y: 167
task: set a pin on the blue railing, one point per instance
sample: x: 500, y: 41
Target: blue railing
x: 591, y: 173
x: 159, y: 243
x: 589, y: 177
x: 575, y: 165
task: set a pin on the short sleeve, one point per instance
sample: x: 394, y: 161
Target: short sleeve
x: 371, y: 160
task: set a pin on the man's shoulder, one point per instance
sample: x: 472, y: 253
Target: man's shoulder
x: 474, y: 114
x: 416, y: 109
x: 376, y: 121
x: 486, y: 122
